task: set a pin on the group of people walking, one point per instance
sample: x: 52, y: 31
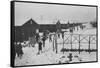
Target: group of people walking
x: 41, y: 42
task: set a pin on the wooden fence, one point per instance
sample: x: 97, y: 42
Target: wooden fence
x: 78, y: 39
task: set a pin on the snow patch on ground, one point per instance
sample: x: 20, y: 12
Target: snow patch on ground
x: 48, y: 56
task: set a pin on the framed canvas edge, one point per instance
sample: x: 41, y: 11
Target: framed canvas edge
x: 12, y: 48
x: 12, y: 35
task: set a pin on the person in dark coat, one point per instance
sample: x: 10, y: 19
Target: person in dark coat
x: 62, y: 34
x: 19, y: 50
x: 43, y: 39
x: 58, y: 35
x: 71, y: 30
x: 50, y: 38
x: 37, y: 37
x: 39, y: 47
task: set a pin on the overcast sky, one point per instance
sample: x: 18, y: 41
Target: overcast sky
x: 50, y: 13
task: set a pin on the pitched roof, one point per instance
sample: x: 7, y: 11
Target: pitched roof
x: 58, y: 22
x: 30, y: 22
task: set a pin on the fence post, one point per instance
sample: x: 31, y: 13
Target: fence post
x: 79, y: 43
x: 89, y: 45
x: 56, y: 43
x: 63, y: 44
x: 53, y: 42
x: 71, y: 42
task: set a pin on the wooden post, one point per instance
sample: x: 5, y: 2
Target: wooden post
x: 79, y: 44
x: 89, y: 45
x: 71, y: 42
x: 56, y: 43
x: 63, y: 44
x: 53, y: 42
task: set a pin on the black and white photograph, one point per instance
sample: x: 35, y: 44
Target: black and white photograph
x: 51, y: 33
